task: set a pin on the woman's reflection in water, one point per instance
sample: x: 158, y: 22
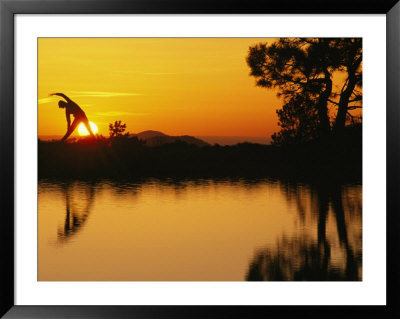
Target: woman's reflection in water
x: 76, y: 214
x: 303, y: 258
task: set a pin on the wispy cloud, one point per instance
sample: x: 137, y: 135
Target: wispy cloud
x: 101, y: 94
x: 46, y: 100
x: 159, y: 73
x: 73, y: 94
x: 127, y: 72
x: 117, y: 113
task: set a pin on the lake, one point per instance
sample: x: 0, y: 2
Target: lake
x: 199, y: 230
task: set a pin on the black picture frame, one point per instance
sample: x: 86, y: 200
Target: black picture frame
x: 8, y: 9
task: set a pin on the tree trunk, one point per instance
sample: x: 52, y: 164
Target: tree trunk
x: 340, y: 121
x: 343, y: 105
x: 322, y: 107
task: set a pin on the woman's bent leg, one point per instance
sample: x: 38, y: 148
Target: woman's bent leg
x: 86, y: 123
x: 71, y: 129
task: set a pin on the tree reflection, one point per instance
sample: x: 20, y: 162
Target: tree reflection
x: 306, y: 258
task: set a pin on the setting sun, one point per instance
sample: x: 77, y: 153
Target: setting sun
x: 83, y: 131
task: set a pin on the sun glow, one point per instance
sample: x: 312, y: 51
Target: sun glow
x: 84, y: 132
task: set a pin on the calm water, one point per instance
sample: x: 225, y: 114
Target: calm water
x: 199, y: 230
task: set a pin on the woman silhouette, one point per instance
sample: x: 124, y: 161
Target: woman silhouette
x: 79, y: 116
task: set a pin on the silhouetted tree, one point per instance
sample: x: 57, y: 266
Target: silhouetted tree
x: 298, y: 120
x: 117, y: 129
x: 302, y: 70
x: 350, y: 94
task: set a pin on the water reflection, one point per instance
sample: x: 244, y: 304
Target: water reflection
x: 304, y: 258
x: 202, y: 230
x: 77, y: 210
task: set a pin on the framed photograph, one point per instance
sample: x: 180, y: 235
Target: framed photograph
x: 173, y: 159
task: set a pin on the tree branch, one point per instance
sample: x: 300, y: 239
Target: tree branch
x: 354, y: 107
x: 358, y: 98
x: 333, y: 102
x: 344, y: 85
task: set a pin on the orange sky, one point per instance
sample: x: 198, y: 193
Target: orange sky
x: 193, y: 86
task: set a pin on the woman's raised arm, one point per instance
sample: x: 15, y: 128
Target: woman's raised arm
x: 62, y: 95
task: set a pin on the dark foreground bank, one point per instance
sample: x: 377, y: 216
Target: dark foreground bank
x: 336, y: 159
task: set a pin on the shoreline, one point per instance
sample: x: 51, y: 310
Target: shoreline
x: 336, y: 161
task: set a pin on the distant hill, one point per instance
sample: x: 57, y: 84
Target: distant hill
x: 145, y: 135
x: 232, y: 140
x: 155, y: 138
